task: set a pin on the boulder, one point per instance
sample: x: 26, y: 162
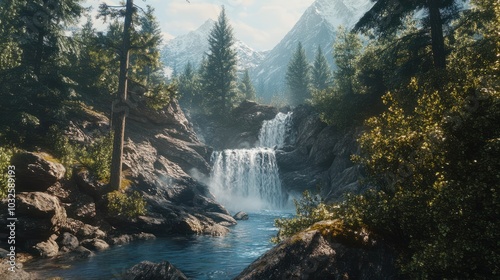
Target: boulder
x: 18, y: 274
x: 127, y: 238
x: 41, y: 215
x: 222, y: 219
x: 154, y: 271
x: 240, y: 216
x: 311, y: 255
x: 95, y: 244
x: 68, y: 242
x: 36, y: 171
x: 47, y: 249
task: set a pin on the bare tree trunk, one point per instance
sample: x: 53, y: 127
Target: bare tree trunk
x: 437, y: 38
x: 120, y: 115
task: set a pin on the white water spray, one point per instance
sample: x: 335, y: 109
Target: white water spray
x: 248, y: 179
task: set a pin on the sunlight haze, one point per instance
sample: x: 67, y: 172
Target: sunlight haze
x: 261, y: 24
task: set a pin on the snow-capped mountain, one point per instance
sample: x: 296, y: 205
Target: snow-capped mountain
x: 316, y: 27
x: 192, y: 46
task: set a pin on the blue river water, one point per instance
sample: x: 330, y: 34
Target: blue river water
x: 198, y: 257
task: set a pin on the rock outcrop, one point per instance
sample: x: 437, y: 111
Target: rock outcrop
x: 36, y: 171
x: 239, y: 129
x: 154, y: 271
x: 311, y: 255
x: 319, y: 157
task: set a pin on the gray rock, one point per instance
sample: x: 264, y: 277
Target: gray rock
x: 36, y: 171
x: 309, y: 255
x: 240, y: 216
x: 68, y: 241
x: 222, y: 218
x: 95, y: 244
x: 127, y: 238
x: 41, y: 215
x: 154, y: 271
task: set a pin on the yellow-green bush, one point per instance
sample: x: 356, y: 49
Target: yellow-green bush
x: 130, y: 205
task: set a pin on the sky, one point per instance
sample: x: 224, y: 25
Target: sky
x: 261, y: 24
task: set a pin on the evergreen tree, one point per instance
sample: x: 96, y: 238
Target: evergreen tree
x: 33, y: 62
x: 321, y: 73
x: 387, y: 15
x: 189, y: 87
x: 219, y: 77
x: 346, y: 51
x: 246, y: 87
x: 297, y: 77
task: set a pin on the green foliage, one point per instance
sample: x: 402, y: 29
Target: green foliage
x: 190, y: 88
x: 129, y: 205
x: 97, y: 157
x: 219, y: 73
x: 320, y: 73
x: 297, y: 77
x: 309, y: 210
x: 346, y: 51
x: 433, y: 155
x: 246, y: 87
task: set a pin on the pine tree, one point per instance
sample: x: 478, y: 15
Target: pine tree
x: 219, y: 77
x: 346, y: 51
x: 321, y: 73
x: 33, y: 61
x: 246, y: 87
x: 189, y: 87
x: 388, y: 15
x: 297, y: 77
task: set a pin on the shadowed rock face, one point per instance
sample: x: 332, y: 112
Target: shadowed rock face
x: 319, y: 157
x: 240, y: 129
x: 154, y: 271
x: 34, y: 172
x: 309, y: 255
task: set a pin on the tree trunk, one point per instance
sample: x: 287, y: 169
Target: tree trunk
x: 437, y: 38
x: 120, y: 115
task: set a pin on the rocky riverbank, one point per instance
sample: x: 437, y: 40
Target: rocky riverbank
x: 67, y: 217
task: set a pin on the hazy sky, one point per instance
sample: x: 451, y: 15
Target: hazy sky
x: 261, y: 24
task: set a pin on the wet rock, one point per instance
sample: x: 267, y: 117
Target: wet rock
x: 127, y: 238
x: 79, y: 253
x: 95, y: 244
x: 240, y: 216
x: 154, y: 271
x: 222, y: 219
x: 216, y: 230
x: 36, y: 171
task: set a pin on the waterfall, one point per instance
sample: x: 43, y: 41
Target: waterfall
x: 273, y: 132
x: 248, y: 179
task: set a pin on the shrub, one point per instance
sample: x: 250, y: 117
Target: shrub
x: 129, y: 206
x: 97, y: 157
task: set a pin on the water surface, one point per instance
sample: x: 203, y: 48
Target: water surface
x: 198, y: 257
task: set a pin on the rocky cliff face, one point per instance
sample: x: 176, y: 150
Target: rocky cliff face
x: 320, y: 157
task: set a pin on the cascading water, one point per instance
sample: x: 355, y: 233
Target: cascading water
x: 248, y: 179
